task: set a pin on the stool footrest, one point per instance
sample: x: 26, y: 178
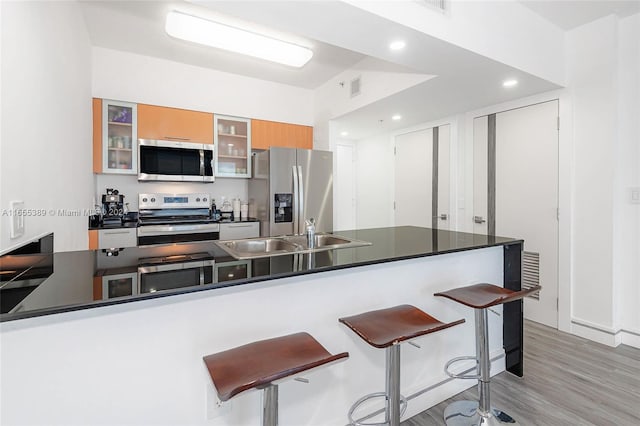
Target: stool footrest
x: 403, y: 408
x: 461, y: 376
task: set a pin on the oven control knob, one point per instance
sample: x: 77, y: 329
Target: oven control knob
x: 153, y: 200
x: 144, y: 200
x: 204, y: 199
x: 198, y: 199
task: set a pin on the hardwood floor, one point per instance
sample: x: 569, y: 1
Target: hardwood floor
x: 568, y: 381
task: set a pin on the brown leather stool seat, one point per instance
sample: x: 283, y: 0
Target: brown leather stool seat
x: 387, y: 328
x: 262, y: 364
x: 480, y: 297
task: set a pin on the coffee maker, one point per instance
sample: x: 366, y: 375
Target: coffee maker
x: 112, y: 207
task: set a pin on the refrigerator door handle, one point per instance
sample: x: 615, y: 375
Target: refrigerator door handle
x: 296, y: 218
x: 301, y: 218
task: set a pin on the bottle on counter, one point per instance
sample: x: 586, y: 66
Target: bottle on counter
x: 244, y: 210
x: 214, y: 213
x: 236, y: 208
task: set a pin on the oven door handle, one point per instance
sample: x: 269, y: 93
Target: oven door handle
x: 153, y: 230
x: 176, y: 267
x: 202, y: 163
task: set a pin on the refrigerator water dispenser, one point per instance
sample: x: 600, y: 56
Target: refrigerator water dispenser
x: 283, y: 206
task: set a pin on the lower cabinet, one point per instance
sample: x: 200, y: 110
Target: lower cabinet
x: 117, y: 238
x: 235, y: 231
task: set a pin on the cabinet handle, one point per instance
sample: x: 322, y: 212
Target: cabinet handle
x: 234, y: 225
x: 115, y: 232
x: 173, y: 138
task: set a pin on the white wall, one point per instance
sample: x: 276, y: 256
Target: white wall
x: 46, y: 119
x: 161, y: 82
x: 592, y: 68
x: 627, y: 166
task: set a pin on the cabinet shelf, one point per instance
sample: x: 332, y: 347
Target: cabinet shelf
x: 232, y: 135
x: 117, y: 123
x: 120, y: 149
x: 232, y: 146
x: 235, y: 157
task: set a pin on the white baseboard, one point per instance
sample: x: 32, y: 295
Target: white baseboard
x: 596, y: 332
x: 630, y: 338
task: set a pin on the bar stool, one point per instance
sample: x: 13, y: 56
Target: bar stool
x: 480, y: 297
x: 387, y: 328
x: 265, y: 364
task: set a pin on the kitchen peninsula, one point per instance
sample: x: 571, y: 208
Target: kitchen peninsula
x: 137, y: 359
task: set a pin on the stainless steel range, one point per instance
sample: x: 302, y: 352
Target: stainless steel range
x: 175, y: 218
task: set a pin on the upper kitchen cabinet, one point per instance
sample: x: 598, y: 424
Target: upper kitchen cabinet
x: 173, y: 124
x: 114, y: 137
x: 265, y: 134
x: 232, y: 146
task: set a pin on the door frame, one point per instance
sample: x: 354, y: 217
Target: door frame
x: 565, y: 181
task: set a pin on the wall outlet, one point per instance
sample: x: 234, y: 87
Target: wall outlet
x: 17, y: 218
x: 215, y: 407
x: 635, y: 195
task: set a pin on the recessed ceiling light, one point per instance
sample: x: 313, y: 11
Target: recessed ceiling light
x: 397, y: 45
x: 215, y: 34
x: 510, y: 83
x: 344, y: 133
x: 396, y: 117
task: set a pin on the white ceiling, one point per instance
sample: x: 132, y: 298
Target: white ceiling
x: 340, y: 35
x: 569, y: 14
x: 138, y: 27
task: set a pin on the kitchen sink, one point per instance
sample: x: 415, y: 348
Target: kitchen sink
x: 324, y: 241
x: 290, y: 244
x: 258, y: 246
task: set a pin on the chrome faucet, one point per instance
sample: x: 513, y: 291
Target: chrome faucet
x: 310, y: 230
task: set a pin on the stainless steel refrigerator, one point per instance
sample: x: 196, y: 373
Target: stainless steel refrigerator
x: 291, y: 185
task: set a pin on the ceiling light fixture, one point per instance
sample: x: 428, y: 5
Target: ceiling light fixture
x: 344, y: 133
x: 396, y: 117
x: 510, y: 83
x: 214, y: 34
x: 397, y: 45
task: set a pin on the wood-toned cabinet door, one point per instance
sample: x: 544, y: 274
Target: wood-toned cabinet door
x: 174, y: 124
x: 93, y: 239
x: 267, y: 134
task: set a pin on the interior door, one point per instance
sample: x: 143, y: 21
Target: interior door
x: 413, y: 173
x: 525, y: 195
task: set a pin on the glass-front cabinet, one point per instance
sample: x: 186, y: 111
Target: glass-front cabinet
x: 232, y: 146
x: 119, y: 137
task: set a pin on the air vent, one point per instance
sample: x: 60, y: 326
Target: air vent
x: 439, y: 5
x: 355, y: 87
x: 531, y: 272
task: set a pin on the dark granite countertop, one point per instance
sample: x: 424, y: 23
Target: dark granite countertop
x: 134, y: 224
x: 43, y: 284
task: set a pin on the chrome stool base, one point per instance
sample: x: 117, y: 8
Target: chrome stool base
x: 354, y: 407
x: 465, y: 413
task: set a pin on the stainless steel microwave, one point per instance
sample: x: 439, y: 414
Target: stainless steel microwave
x: 175, y: 161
